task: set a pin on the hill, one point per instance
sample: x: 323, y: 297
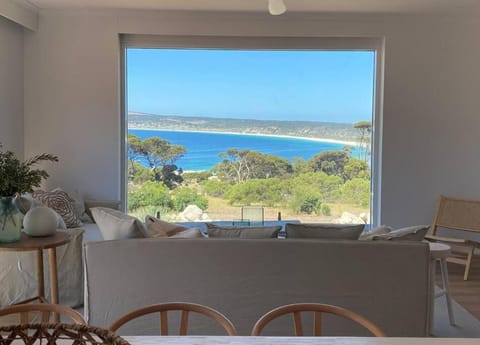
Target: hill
x: 310, y: 129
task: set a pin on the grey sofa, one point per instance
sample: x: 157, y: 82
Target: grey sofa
x: 387, y: 282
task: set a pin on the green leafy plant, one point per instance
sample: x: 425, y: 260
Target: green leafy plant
x: 17, y: 177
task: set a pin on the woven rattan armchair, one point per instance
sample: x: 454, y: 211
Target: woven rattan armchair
x: 58, y: 333
x: 459, y: 216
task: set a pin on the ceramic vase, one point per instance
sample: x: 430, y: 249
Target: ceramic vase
x: 40, y: 221
x: 10, y: 221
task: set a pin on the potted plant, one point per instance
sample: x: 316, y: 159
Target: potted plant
x: 16, y: 178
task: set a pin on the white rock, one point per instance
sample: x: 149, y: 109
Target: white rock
x: 192, y: 213
x: 349, y: 218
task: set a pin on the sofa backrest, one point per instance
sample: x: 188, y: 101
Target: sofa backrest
x: 387, y: 282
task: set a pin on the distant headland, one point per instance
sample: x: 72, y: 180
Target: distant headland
x: 331, y: 131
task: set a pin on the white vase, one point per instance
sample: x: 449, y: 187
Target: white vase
x: 40, y: 221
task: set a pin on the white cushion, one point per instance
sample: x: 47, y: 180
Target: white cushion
x: 369, y: 235
x: 116, y: 225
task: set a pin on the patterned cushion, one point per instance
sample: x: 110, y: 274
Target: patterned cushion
x: 61, y: 203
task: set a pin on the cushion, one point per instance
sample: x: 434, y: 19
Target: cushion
x: 189, y: 233
x: 61, y: 203
x: 155, y: 227
x: 324, y: 231
x: 91, y: 203
x: 116, y: 225
x: 252, y: 232
x: 411, y: 233
x: 369, y: 235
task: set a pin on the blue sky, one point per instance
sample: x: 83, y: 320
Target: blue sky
x: 332, y: 86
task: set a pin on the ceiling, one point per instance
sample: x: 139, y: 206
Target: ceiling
x: 353, y: 6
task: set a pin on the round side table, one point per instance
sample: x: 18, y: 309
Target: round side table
x: 439, y: 252
x: 38, y: 244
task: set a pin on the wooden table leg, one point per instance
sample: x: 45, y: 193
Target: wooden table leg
x: 40, y: 275
x: 52, y: 259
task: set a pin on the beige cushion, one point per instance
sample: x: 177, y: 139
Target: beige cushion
x: 91, y: 203
x: 369, y: 235
x: 115, y: 225
x: 189, y: 233
x: 159, y: 228
x: 324, y: 231
x: 411, y: 233
x: 251, y: 232
x: 61, y: 203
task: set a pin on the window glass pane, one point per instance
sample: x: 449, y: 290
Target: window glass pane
x: 287, y: 131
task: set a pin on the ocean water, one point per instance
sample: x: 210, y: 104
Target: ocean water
x: 203, y: 148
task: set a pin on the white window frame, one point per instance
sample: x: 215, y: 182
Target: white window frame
x: 375, y: 44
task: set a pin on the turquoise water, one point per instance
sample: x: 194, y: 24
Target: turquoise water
x: 203, y: 148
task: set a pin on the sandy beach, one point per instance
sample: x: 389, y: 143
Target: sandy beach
x: 324, y: 140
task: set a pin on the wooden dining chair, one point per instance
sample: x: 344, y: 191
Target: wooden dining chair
x: 317, y: 308
x: 185, y: 308
x: 459, y: 216
x: 44, y: 309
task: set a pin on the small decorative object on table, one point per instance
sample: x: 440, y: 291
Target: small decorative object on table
x: 58, y: 333
x: 40, y: 221
x: 17, y: 177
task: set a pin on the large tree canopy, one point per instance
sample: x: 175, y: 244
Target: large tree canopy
x: 241, y: 165
x: 160, y: 155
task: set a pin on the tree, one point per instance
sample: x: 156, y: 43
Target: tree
x: 356, y: 168
x: 365, y: 128
x: 330, y: 162
x: 241, y: 165
x: 134, y: 150
x: 161, y: 156
x: 234, y: 165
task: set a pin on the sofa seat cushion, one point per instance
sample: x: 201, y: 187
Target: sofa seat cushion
x: 324, y: 231
x: 116, y: 225
x: 250, y: 232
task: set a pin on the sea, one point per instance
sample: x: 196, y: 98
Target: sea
x: 203, y: 148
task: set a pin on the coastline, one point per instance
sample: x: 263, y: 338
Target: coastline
x: 323, y: 140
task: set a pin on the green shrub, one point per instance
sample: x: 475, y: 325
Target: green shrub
x: 267, y: 192
x: 356, y: 191
x: 305, y: 201
x: 326, y: 211
x: 215, y: 188
x: 196, y: 176
x: 149, y: 194
x: 182, y: 197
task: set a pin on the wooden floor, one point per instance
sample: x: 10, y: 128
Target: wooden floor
x: 465, y: 293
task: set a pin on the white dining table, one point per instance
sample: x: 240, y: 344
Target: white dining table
x: 242, y: 340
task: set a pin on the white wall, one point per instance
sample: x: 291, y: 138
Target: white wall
x: 11, y: 86
x: 431, y: 109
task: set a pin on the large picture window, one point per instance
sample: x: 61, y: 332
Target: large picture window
x: 215, y: 128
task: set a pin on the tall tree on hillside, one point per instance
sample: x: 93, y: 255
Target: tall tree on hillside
x: 330, y: 162
x: 365, y: 129
x: 134, y: 150
x: 161, y: 155
x: 241, y: 165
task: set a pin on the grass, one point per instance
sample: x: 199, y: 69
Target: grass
x: 219, y: 209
